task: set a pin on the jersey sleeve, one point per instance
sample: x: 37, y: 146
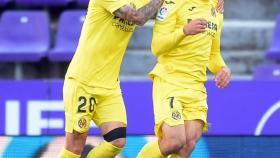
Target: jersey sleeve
x: 111, y: 5
x: 166, y: 36
x: 216, y: 61
x: 140, y: 3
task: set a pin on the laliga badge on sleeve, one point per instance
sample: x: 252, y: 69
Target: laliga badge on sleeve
x: 162, y: 13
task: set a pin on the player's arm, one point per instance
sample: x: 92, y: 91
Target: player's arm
x: 217, y: 64
x: 140, y: 16
x: 164, y: 41
x: 216, y: 61
x: 218, y: 67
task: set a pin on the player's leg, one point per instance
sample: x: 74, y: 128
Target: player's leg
x: 110, y: 116
x: 74, y: 143
x: 77, y: 119
x: 195, y: 114
x: 193, y: 133
x: 169, y: 122
x: 172, y: 140
x: 114, y: 134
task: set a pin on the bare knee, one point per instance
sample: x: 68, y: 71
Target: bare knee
x: 75, y: 142
x: 176, y: 144
x: 193, y: 133
x: 120, y: 143
x: 191, y: 142
x: 116, y: 137
x: 74, y: 149
x: 173, y: 145
x: 190, y: 145
x: 173, y: 139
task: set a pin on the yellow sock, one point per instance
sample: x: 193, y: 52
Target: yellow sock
x: 175, y: 156
x: 105, y: 149
x: 67, y: 154
x: 151, y: 150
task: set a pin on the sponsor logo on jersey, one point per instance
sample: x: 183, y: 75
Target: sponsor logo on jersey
x: 211, y: 28
x: 162, y: 13
x: 124, y: 25
x: 210, y: 25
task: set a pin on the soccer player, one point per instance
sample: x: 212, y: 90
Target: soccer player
x: 91, y: 89
x: 186, y: 41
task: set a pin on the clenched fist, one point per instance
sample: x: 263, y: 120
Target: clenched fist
x: 223, y: 77
x: 195, y: 26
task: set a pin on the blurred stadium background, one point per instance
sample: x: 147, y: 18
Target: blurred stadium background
x: 39, y: 37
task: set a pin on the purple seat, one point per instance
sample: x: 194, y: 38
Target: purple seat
x: 68, y: 34
x: 43, y: 2
x: 4, y: 2
x: 83, y: 2
x: 267, y: 72
x: 24, y: 35
x: 274, y: 52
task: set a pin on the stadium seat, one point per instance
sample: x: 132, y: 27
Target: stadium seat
x: 274, y: 52
x: 43, y: 2
x: 24, y: 35
x: 68, y: 34
x: 267, y: 72
x: 83, y: 2
x: 4, y: 2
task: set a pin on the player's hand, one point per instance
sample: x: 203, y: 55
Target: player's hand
x: 195, y: 27
x: 222, y: 78
x: 220, y: 6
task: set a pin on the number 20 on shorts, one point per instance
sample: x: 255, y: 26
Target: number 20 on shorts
x: 83, y: 101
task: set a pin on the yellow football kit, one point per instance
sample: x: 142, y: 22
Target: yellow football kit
x: 91, y: 89
x: 179, y: 76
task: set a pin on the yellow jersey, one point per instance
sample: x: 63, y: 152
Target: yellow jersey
x: 183, y: 60
x: 103, y: 41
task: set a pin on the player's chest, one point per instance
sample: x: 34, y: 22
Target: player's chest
x: 192, y: 11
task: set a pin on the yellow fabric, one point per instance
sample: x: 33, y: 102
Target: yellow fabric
x: 216, y: 60
x: 187, y: 104
x: 101, y: 105
x: 175, y: 156
x: 102, y: 44
x: 183, y: 60
x: 67, y: 154
x: 150, y: 150
x: 104, y: 150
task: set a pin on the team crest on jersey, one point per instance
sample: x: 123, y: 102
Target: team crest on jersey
x: 176, y: 115
x: 82, y: 123
x: 162, y: 13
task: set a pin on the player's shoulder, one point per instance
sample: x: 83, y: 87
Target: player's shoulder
x: 168, y: 9
x: 139, y: 3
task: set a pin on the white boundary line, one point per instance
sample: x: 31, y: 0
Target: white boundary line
x: 265, y: 118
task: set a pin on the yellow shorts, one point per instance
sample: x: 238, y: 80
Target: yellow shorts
x: 83, y: 104
x: 173, y: 105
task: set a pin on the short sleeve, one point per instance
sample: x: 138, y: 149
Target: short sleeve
x: 141, y: 3
x: 111, y: 5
